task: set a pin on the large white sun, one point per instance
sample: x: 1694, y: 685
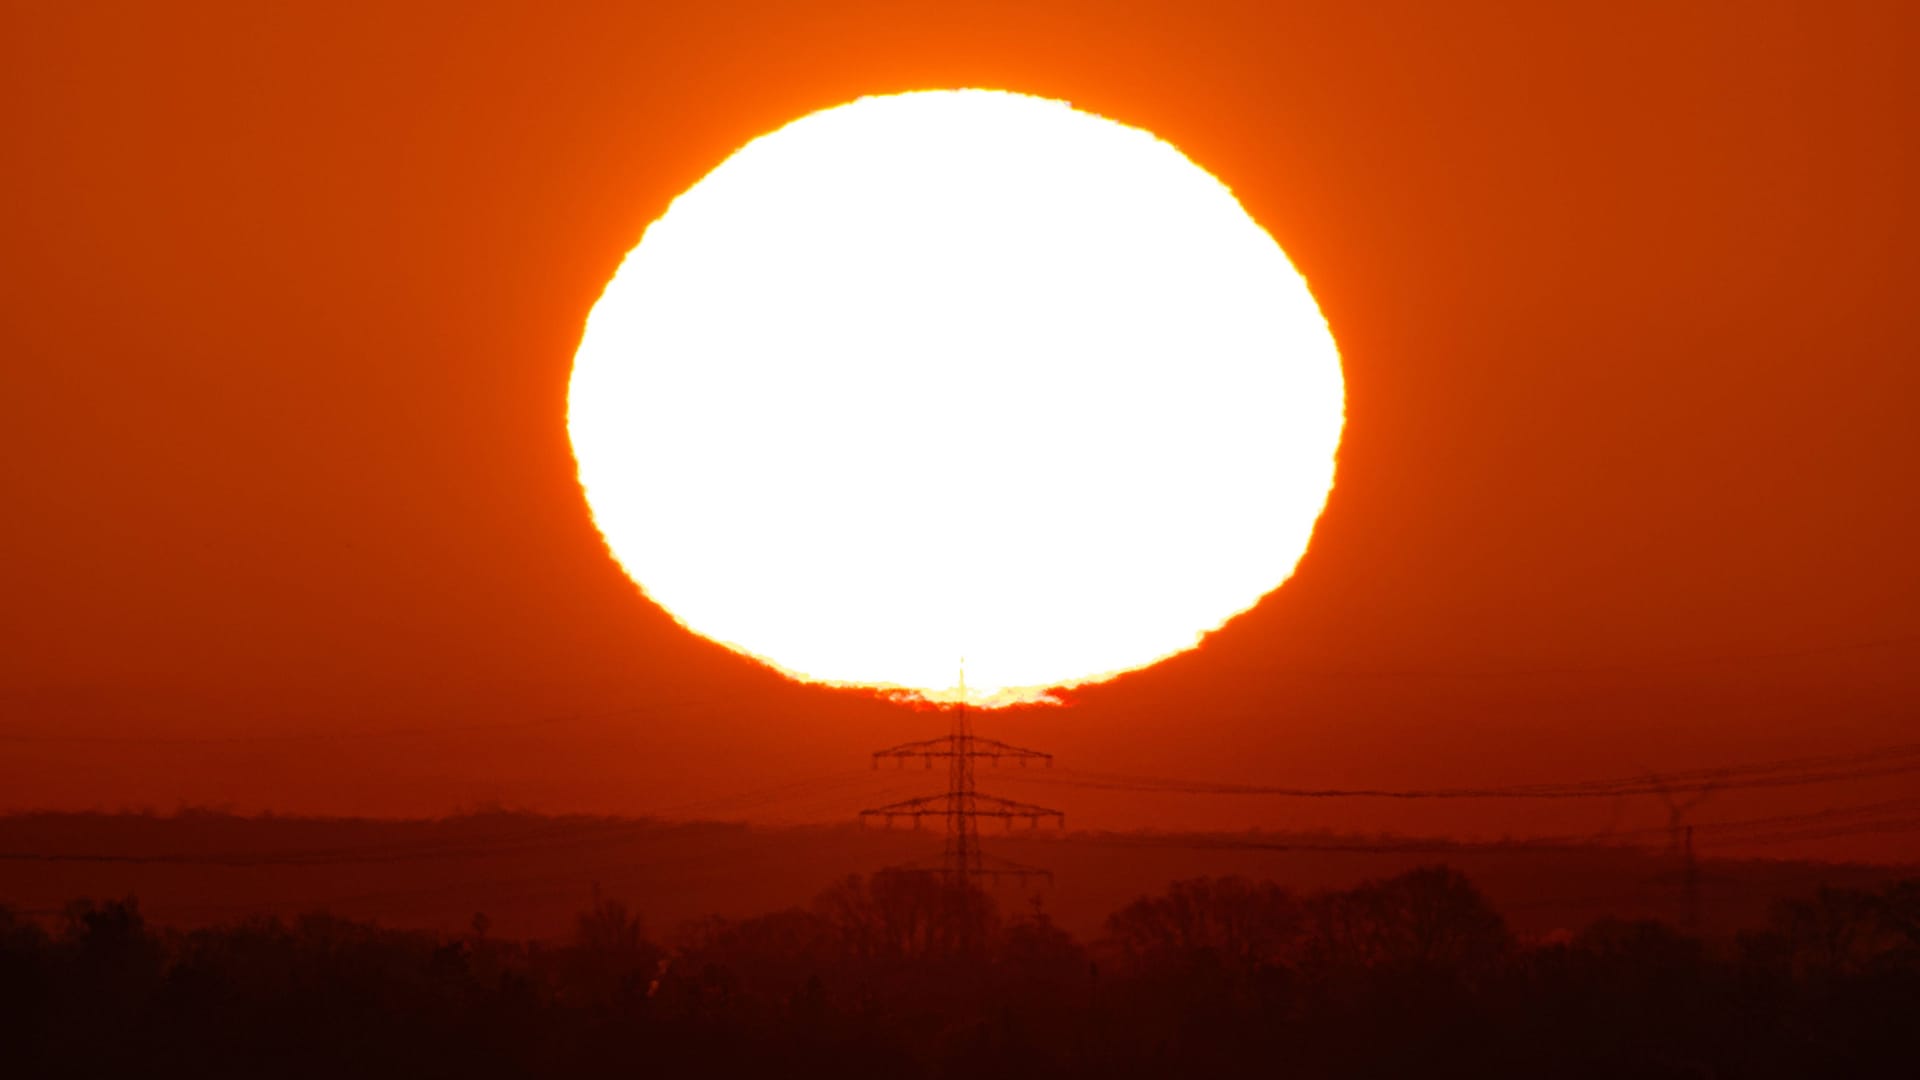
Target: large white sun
x: 956, y: 376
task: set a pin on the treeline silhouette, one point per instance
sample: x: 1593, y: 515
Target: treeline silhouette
x: 898, y: 975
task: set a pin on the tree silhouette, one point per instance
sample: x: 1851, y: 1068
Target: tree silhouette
x: 1231, y: 921
x: 1835, y: 931
x: 611, y: 965
x: 1430, y: 919
x: 1215, y: 976
x: 907, y: 915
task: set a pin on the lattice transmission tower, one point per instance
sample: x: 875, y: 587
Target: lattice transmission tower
x: 963, y: 804
x: 1680, y: 845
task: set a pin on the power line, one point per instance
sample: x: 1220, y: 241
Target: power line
x: 1795, y: 772
x: 1889, y: 816
x: 774, y: 794
x: 1894, y: 816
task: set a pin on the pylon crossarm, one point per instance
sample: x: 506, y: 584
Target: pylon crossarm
x: 940, y: 747
x: 1033, y: 815
x: 983, y: 806
x: 995, y: 749
x: 925, y: 806
x: 976, y: 748
x: 995, y: 806
x: 891, y: 814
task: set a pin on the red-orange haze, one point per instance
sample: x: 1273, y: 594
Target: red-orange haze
x: 289, y: 296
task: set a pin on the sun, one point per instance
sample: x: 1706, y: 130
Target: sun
x: 956, y: 377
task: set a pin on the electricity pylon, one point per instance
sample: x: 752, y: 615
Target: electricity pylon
x: 963, y: 805
x: 1680, y: 843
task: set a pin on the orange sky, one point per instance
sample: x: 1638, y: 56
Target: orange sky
x: 289, y: 296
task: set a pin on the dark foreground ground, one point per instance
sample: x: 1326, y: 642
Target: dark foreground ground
x: 897, y: 975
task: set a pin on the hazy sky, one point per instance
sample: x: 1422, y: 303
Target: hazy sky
x: 289, y: 296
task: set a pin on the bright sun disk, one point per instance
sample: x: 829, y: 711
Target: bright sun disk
x: 956, y: 375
